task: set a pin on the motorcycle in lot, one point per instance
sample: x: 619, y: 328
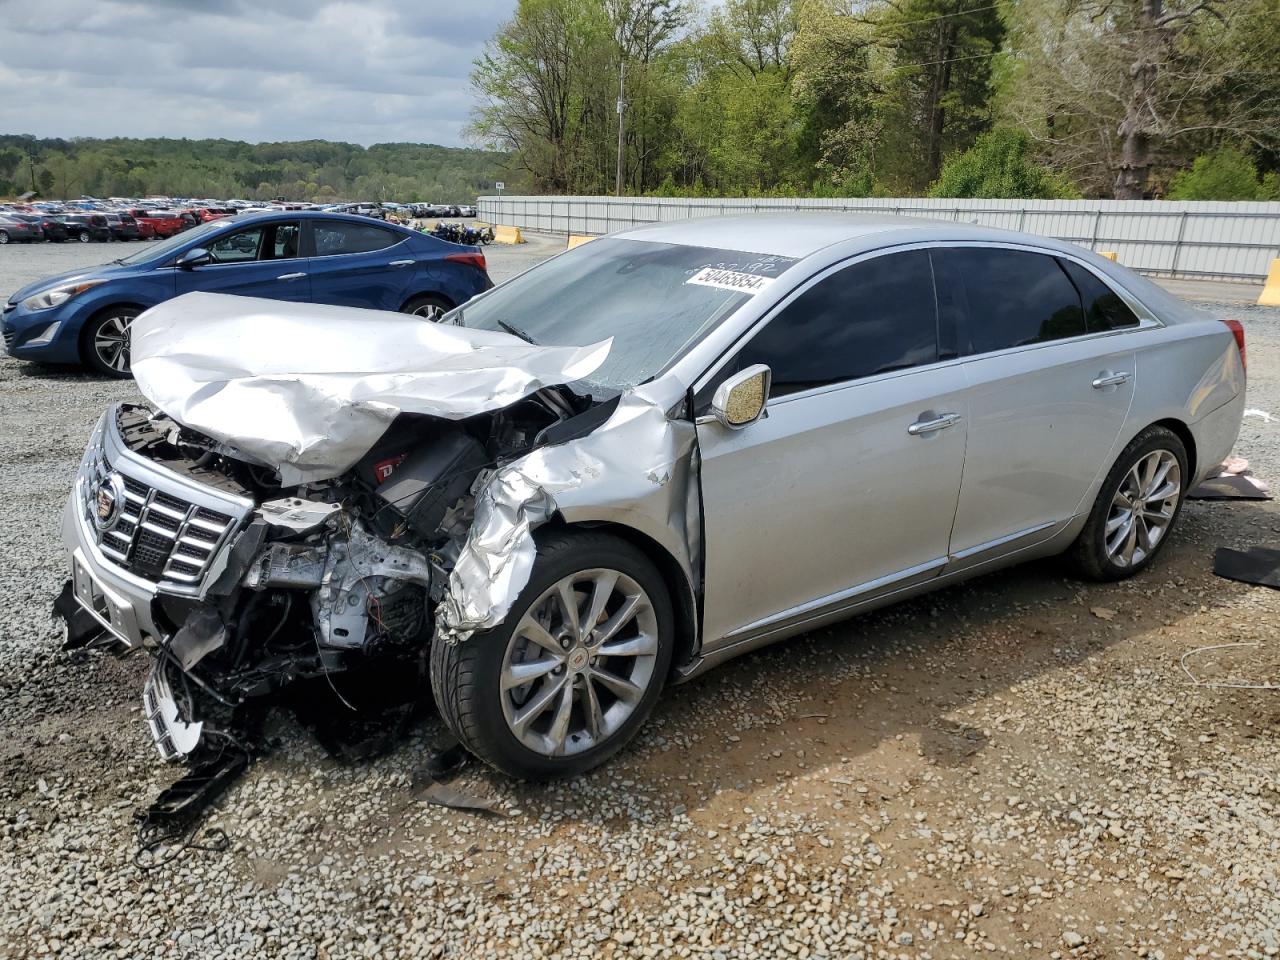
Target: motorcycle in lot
x: 463, y: 233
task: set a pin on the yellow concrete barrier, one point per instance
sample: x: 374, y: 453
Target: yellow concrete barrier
x: 577, y: 240
x: 507, y: 235
x: 1109, y: 254
x: 1271, y: 289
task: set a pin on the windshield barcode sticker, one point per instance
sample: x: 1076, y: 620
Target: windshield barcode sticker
x: 730, y: 280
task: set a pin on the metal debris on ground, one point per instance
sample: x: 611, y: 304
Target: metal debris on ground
x: 433, y: 783
x: 1223, y: 684
x: 170, y: 823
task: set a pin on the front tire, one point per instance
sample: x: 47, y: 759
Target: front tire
x: 4, y: 237
x: 105, y: 343
x: 573, y: 672
x: 84, y: 238
x: 1136, y: 509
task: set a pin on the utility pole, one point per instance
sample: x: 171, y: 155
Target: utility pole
x: 622, y: 104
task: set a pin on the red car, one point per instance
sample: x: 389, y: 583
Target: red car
x: 163, y: 223
x: 205, y: 214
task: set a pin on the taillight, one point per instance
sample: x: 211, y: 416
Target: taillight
x: 471, y: 259
x: 1237, y: 331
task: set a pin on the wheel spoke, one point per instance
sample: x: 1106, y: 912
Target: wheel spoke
x: 560, y: 725
x: 591, y: 708
x: 625, y: 690
x: 626, y: 613
x: 1117, y: 521
x: 518, y: 674
x: 638, y: 646
x: 530, y: 629
x: 568, y: 599
x: 604, y: 583
x: 537, y: 706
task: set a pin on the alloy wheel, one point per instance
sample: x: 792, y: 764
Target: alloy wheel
x: 1143, y: 508
x: 111, y: 342
x: 579, y: 662
x: 430, y: 311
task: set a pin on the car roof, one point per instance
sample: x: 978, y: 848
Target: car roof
x: 800, y: 235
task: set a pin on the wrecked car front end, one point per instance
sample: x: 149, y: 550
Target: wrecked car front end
x: 355, y: 521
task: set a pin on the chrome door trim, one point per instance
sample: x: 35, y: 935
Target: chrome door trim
x: 1111, y: 380
x: 1002, y: 541
x: 291, y: 276
x: 923, y: 428
x: 826, y: 605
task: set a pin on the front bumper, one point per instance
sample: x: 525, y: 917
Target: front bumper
x: 21, y: 326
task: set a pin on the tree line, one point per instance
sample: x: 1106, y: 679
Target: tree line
x: 1023, y: 98
x: 315, y: 170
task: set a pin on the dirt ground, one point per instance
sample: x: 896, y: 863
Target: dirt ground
x: 1019, y: 765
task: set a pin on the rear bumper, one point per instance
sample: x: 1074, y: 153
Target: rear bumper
x: 1215, y: 435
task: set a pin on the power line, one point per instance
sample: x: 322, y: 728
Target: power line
x: 941, y: 16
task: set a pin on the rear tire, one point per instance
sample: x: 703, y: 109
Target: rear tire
x: 596, y: 683
x: 4, y: 237
x: 429, y: 306
x: 84, y: 238
x: 1137, y: 506
x: 105, y: 342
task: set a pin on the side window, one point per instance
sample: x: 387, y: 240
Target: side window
x: 1015, y: 298
x: 283, y: 242
x: 238, y: 247
x: 335, y: 237
x: 1103, y: 308
x: 872, y: 317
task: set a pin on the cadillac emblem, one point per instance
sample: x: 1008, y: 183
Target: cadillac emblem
x: 108, y: 501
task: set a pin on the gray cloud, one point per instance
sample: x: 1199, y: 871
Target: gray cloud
x: 365, y: 71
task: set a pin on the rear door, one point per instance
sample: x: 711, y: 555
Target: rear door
x: 360, y: 264
x: 1048, y: 393
x: 261, y: 260
x: 847, y: 487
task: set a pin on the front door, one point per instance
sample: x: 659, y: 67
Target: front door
x: 259, y: 261
x: 847, y: 488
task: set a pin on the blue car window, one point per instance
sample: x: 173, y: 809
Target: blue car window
x: 334, y: 237
x: 237, y: 247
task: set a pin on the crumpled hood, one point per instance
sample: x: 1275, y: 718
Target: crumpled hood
x: 309, y: 389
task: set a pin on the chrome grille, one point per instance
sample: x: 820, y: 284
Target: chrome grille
x: 158, y: 536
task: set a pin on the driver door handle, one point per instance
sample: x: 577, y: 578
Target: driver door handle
x: 291, y: 276
x: 1110, y: 380
x: 922, y: 427
x: 401, y: 263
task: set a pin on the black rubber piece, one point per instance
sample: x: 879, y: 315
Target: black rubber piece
x: 1256, y: 565
x: 465, y: 676
x: 1089, y: 553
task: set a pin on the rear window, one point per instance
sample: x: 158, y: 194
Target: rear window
x: 1103, y: 308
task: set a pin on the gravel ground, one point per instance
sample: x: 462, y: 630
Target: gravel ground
x: 1016, y: 765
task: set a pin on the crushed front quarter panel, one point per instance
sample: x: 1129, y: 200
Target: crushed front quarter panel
x: 307, y: 389
x: 634, y: 470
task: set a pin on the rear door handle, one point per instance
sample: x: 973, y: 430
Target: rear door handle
x: 401, y: 263
x: 1110, y: 380
x: 922, y: 427
x: 291, y: 276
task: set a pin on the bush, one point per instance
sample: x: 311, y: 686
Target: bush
x: 1227, y: 173
x: 999, y: 166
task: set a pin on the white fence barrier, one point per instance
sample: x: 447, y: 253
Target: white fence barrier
x: 1167, y: 238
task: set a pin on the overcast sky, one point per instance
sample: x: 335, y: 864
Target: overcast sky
x: 366, y: 72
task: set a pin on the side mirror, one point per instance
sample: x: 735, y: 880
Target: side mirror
x: 195, y: 257
x: 741, y: 399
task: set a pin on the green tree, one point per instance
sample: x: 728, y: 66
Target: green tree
x: 999, y: 166
x: 1227, y: 173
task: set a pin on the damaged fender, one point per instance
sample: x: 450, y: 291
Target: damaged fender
x: 634, y: 470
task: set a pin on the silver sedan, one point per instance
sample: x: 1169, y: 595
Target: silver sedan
x: 654, y: 452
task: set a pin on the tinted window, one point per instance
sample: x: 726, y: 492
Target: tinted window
x: 334, y: 237
x: 1015, y: 298
x: 1103, y: 308
x: 272, y: 241
x: 872, y: 317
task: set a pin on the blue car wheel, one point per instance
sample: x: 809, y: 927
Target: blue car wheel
x: 105, y: 342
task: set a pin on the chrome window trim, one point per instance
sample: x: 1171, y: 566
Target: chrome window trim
x: 1146, y: 319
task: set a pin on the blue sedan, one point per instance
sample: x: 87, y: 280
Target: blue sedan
x: 83, y: 316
